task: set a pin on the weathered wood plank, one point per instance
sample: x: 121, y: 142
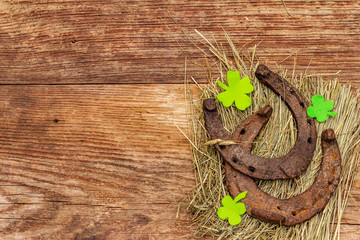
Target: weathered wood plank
x: 81, y: 162
x: 98, y: 162
x: 350, y: 232
x: 120, y: 41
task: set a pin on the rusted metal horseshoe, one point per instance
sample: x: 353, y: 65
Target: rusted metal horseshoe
x: 293, y: 210
x: 288, y: 166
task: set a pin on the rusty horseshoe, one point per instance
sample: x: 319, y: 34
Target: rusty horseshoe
x: 288, y: 166
x: 241, y: 166
x: 297, y: 209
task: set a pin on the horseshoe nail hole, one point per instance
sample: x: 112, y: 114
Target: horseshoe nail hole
x: 309, y: 140
x: 235, y: 160
x: 302, y: 105
x: 280, y: 208
x: 309, y: 121
x: 251, y: 169
x: 292, y: 91
x: 293, y: 213
x: 222, y: 147
x: 242, y: 132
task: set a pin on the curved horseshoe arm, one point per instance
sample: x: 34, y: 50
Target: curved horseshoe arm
x: 297, y: 209
x: 288, y: 166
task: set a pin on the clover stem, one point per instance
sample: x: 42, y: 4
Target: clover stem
x: 240, y: 196
x: 223, y: 86
x: 332, y: 114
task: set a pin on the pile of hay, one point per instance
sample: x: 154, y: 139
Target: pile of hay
x: 275, y: 140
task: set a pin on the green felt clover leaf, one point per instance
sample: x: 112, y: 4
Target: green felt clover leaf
x: 236, y: 91
x: 320, y: 109
x: 232, y: 209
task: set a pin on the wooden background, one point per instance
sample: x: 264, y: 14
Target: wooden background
x: 92, y: 91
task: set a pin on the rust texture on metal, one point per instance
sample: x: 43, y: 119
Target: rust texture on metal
x: 297, y: 209
x: 239, y: 156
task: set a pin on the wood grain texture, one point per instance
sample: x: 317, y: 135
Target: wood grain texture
x: 83, y: 159
x: 100, y: 162
x: 122, y: 41
x: 89, y: 162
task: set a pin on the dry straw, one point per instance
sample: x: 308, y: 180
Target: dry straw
x: 275, y: 140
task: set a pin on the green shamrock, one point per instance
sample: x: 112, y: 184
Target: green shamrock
x: 320, y: 109
x: 232, y: 209
x: 236, y: 91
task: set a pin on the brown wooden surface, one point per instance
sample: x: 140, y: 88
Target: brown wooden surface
x: 86, y: 152
x: 118, y: 41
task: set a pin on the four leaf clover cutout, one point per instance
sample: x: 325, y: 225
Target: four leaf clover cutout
x: 236, y: 91
x: 320, y: 109
x: 232, y: 209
